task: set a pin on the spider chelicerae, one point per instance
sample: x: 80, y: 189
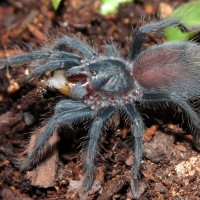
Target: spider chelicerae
x: 108, y: 84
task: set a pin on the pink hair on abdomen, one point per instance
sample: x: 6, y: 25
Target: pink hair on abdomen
x: 158, y: 68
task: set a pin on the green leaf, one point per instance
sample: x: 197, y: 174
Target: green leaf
x: 189, y: 15
x: 56, y: 4
x: 111, y: 6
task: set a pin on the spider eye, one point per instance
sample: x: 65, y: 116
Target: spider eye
x: 93, y: 72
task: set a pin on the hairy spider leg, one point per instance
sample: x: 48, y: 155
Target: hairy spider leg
x: 137, y: 129
x: 28, y: 58
x: 69, y: 105
x: 94, y: 135
x: 154, y: 28
x: 23, y: 59
x: 182, y: 103
x: 111, y: 50
x: 75, y: 44
x: 52, y: 66
x: 64, y: 61
x: 60, y: 118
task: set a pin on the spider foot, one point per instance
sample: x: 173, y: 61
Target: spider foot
x: 87, y: 182
x: 135, y: 188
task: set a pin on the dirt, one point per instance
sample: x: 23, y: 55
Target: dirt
x: 171, y: 165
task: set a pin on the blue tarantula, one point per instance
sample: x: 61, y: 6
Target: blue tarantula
x: 108, y: 84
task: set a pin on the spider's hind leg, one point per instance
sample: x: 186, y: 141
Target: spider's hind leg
x: 192, y: 116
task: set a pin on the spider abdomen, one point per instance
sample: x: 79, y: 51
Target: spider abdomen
x: 169, y: 66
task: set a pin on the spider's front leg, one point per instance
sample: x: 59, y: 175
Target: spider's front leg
x: 65, y: 114
x: 64, y: 60
x: 137, y: 129
x: 47, y: 56
x: 76, y: 44
x: 23, y: 59
x: 94, y: 135
x: 182, y: 103
x: 52, y: 66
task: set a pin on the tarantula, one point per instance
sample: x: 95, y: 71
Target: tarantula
x: 108, y: 84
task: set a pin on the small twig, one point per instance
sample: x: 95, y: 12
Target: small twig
x: 5, y: 162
